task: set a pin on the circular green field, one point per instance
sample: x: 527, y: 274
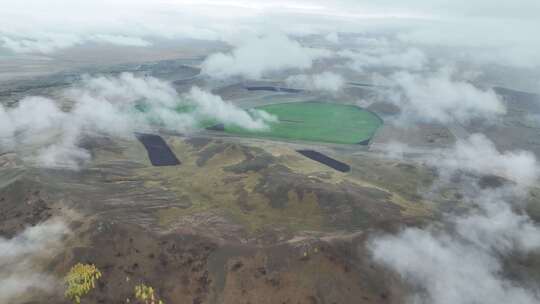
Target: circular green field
x: 316, y: 121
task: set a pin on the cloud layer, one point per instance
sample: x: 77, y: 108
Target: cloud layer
x: 479, y: 155
x: 382, y: 57
x: 468, y: 26
x: 108, y: 106
x: 213, y: 107
x: 260, y: 55
x: 460, y: 260
x: 19, y: 256
x: 441, y: 98
x: 326, y: 82
x: 463, y: 267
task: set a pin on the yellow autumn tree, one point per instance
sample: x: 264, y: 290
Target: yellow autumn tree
x: 147, y: 295
x: 80, y: 279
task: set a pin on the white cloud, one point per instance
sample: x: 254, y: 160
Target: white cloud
x: 498, y: 228
x: 257, y: 56
x: 479, y: 155
x: 212, y: 106
x: 326, y: 81
x: 410, y: 59
x: 19, y: 270
x: 466, y: 27
x: 439, y: 98
x: 45, y: 44
x: 35, y: 114
x: 451, y: 269
x: 65, y: 153
x: 475, y: 154
x: 29, y: 121
x: 62, y: 23
x: 121, y: 40
x: 107, y: 105
x: 459, y: 261
x: 127, y: 88
x: 332, y: 38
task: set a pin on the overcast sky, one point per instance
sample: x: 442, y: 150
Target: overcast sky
x: 35, y: 26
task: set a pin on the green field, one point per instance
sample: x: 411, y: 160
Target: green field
x: 316, y: 121
x: 307, y: 121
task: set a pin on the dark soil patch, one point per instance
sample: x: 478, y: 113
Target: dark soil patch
x: 517, y: 95
x: 23, y: 205
x: 491, y: 181
x: 175, y: 265
x: 198, y: 142
x: 346, y: 205
x: 209, y: 152
x: 364, y: 142
x: 159, y: 152
x: 253, y: 162
x: 218, y: 127
x: 325, y: 160
x: 273, y: 89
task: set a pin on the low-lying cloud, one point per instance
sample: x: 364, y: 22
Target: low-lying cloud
x: 214, y: 107
x: 21, y: 255
x: 440, y: 98
x: 112, y: 106
x: 479, y: 155
x: 260, y: 55
x: 476, y: 154
x: 382, y: 57
x: 50, y: 43
x: 449, y: 269
x: 467, y: 27
x: 462, y: 265
x: 325, y: 82
x: 459, y: 261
